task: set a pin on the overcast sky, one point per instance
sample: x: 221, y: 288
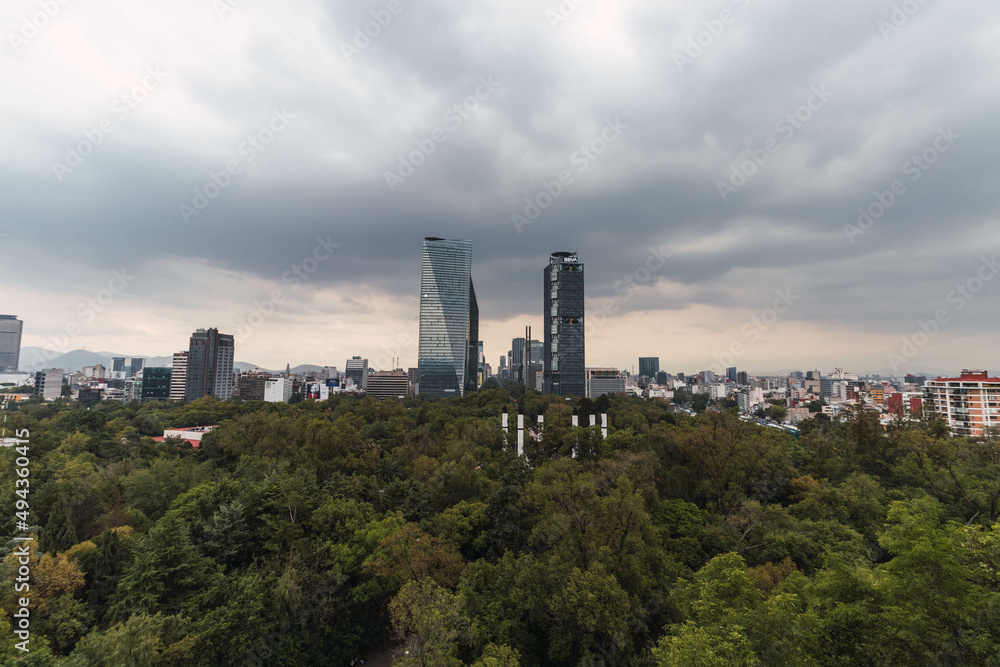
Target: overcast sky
x: 739, y: 138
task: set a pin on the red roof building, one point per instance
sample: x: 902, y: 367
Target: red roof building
x: 192, y: 434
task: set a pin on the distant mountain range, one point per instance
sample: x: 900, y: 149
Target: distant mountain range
x: 37, y: 358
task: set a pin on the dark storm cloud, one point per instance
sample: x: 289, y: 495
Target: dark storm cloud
x: 655, y: 186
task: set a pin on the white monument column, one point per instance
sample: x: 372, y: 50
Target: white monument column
x: 520, y: 435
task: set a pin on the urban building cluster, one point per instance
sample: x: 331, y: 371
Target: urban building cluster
x: 452, y: 362
x: 451, y: 358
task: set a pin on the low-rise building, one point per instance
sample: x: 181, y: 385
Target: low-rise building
x: 192, y: 434
x: 279, y: 390
x: 798, y: 415
x: 388, y: 384
x: 601, y: 381
x: 252, y: 385
x: 662, y: 391
x: 90, y: 395
x: 718, y: 391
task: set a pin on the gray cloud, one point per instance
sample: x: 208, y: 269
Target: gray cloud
x: 655, y: 186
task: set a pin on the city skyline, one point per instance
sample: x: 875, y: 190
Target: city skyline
x: 633, y: 365
x: 856, y: 177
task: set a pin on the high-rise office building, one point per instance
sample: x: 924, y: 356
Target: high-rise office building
x: 537, y: 352
x: 357, y: 370
x: 210, y: 365
x: 524, y: 351
x: 564, y: 367
x: 135, y: 365
x: 118, y: 365
x: 649, y: 366
x: 731, y: 374
x: 472, y: 382
x: 49, y: 383
x: 449, y: 319
x: 10, y: 343
x: 516, y: 356
x: 178, y: 377
x: 481, y: 366
x: 156, y: 384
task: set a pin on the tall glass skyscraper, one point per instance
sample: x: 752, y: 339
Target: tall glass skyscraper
x: 564, y: 363
x: 449, y: 319
x: 10, y: 342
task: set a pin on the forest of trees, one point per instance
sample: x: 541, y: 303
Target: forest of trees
x: 305, y: 534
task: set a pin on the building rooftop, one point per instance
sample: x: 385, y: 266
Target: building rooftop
x: 971, y: 376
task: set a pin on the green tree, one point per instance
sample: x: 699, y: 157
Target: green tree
x: 59, y: 533
x: 167, y: 574
x: 430, y: 623
x: 498, y: 656
x: 142, y: 641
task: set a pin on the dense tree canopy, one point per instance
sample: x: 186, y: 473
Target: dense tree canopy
x: 306, y: 534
